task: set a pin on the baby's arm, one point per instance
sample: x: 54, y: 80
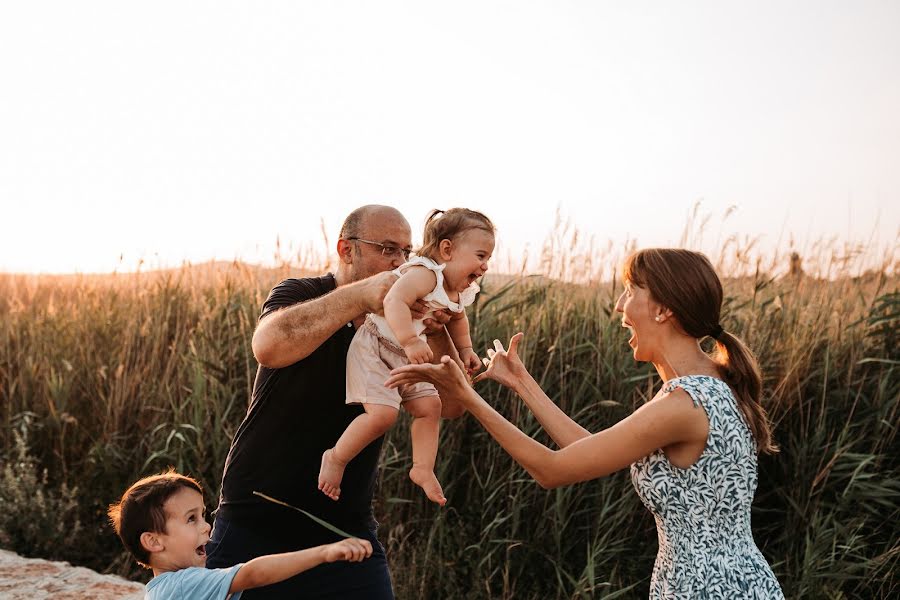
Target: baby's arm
x: 414, y: 284
x: 458, y: 328
x: 272, y: 568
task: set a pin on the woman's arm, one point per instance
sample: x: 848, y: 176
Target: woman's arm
x: 670, y: 419
x: 507, y: 368
x: 667, y: 420
x: 558, y: 425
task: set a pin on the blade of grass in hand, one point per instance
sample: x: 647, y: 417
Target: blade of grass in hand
x: 324, y: 524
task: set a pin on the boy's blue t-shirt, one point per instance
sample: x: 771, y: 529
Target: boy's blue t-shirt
x: 194, y: 583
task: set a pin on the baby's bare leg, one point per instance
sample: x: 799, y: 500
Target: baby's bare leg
x: 361, y: 432
x: 426, y: 413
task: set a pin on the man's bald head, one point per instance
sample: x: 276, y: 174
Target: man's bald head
x: 365, y: 233
x: 357, y: 222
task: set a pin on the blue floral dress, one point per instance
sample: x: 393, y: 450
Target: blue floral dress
x: 706, y: 548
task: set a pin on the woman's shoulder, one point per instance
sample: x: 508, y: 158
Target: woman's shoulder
x: 700, y: 388
x: 695, y: 381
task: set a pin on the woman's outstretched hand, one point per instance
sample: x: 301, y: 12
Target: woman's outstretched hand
x: 504, y: 366
x: 446, y: 376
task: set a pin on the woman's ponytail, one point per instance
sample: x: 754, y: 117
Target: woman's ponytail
x: 740, y: 370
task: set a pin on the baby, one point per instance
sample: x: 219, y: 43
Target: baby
x: 457, y: 246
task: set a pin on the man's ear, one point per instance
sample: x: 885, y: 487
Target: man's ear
x: 445, y: 249
x: 151, y: 542
x: 345, y: 251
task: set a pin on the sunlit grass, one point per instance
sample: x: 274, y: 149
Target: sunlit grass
x: 108, y: 378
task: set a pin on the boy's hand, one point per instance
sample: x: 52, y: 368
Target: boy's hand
x: 351, y: 549
x: 417, y: 351
x: 470, y: 360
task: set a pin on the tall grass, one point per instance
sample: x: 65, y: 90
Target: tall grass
x: 105, y: 379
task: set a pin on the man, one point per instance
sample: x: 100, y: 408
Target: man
x: 298, y: 410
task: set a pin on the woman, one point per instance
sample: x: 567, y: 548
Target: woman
x: 695, y: 470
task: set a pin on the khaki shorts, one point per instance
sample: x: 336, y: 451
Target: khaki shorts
x: 369, y: 363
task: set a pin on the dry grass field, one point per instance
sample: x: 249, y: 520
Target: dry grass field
x: 107, y: 378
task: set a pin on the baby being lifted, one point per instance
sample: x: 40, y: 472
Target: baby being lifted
x: 457, y: 246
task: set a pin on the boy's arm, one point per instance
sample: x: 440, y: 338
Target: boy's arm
x: 412, y: 285
x: 272, y: 568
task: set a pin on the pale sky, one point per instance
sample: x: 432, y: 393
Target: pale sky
x: 172, y: 131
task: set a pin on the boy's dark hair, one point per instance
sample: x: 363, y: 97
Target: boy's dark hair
x: 449, y: 224
x: 142, y: 509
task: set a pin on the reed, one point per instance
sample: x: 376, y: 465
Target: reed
x: 104, y: 379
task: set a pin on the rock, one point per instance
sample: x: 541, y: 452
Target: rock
x: 35, y: 579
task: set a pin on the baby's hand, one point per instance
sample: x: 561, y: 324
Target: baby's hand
x: 351, y: 549
x: 418, y: 352
x: 470, y: 360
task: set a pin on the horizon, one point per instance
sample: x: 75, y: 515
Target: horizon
x: 836, y: 259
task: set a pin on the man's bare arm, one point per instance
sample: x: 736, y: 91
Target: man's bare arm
x: 293, y: 333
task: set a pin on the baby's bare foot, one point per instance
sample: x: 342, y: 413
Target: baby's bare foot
x: 330, y: 474
x: 426, y: 479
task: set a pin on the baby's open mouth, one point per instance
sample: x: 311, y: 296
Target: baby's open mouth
x: 201, y: 550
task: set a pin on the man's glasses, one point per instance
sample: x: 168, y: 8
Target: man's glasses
x: 386, y: 250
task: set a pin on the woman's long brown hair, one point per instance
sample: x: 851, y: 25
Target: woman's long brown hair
x: 686, y: 283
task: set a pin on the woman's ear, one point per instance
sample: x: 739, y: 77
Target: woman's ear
x: 445, y: 249
x: 663, y: 314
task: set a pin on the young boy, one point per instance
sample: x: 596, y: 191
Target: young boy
x: 160, y: 519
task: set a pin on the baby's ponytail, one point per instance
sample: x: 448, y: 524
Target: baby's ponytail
x: 449, y: 224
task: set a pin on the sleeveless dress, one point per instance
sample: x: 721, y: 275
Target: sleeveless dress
x: 706, y: 547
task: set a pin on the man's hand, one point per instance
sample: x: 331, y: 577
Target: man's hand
x: 375, y: 288
x: 417, y: 351
x: 470, y: 360
x: 435, y: 323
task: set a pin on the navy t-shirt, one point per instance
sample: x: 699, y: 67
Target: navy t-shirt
x: 296, y: 413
